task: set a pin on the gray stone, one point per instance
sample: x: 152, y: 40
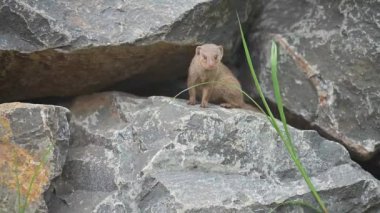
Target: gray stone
x: 161, y: 155
x: 339, y: 41
x: 34, y: 140
x: 65, y: 48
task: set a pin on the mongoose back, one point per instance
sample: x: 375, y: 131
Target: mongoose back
x: 224, y: 88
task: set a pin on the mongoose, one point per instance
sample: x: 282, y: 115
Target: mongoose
x: 206, y: 66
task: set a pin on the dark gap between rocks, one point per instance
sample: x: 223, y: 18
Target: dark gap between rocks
x: 372, y: 166
x: 52, y: 72
x: 53, y: 100
x: 137, y: 85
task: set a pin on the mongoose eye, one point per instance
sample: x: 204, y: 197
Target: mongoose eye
x: 216, y: 57
x: 204, y: 57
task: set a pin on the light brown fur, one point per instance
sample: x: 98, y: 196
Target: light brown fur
x: 206, y: 66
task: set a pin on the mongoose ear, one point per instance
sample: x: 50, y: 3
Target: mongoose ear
x: 221, y: 50
x: 198, y: 50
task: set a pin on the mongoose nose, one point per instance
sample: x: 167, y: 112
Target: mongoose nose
x: 211, y: 66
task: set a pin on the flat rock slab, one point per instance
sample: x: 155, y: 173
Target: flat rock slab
x: 34, y: 140
x: 157, y: 154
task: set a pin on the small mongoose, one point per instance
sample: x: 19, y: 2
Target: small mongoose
x: 223, y: 89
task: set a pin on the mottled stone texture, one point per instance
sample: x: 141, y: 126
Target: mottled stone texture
x: 131, y: 154
x: 34, y: 140
x: 340, y: 41
x: 64, y: 48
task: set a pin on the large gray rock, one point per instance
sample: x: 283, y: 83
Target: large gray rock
x: 63, y: 48
x: 33, y: 141
x: 328, y: 66
x: 132, y: 154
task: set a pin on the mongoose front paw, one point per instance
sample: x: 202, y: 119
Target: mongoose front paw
x: 191, y: 102
x: 204, y: 104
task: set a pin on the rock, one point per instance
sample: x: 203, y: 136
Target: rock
x: 34, y: 140
x: 157, y: 154
x: 328, y: 67
x: 66, y: 48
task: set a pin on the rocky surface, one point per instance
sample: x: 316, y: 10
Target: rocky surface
x: 328, y: 67
x: 130, y: 154
x: 65, y: 48
x: 34, y: 140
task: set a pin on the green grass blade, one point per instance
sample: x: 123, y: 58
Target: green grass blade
x: 285, y: 138
x: 250, y: 65
x: 288, y: 142
x: 277, y: 94
x: 276, y: 85
x: 256, y: 81
x: 257, y: 85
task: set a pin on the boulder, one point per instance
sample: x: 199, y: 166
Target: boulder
x: 34, y: 140
x: 65, y: 48
x: 329, y: 53
x: 157, y: 154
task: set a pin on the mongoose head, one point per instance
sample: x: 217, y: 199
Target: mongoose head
x: 209, y: 55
